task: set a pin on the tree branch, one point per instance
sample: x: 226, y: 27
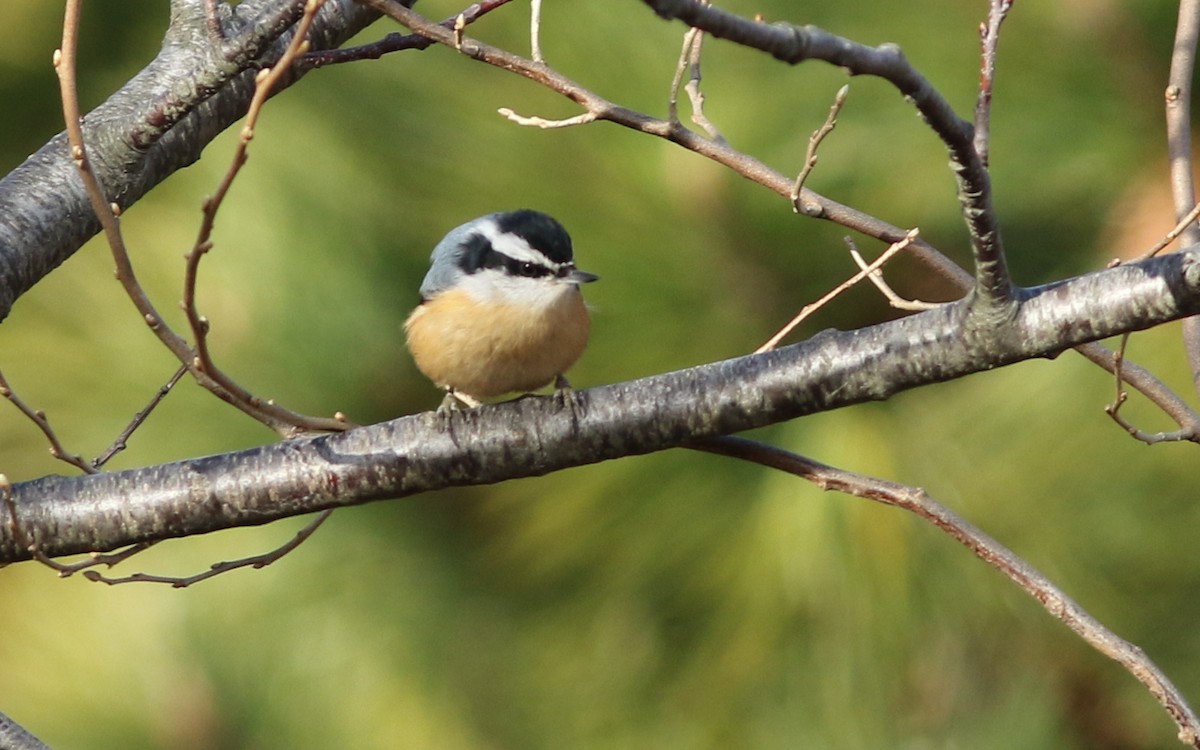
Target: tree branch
x: 13, y: 736
x: 1179, y: 148
x: 535, y: 436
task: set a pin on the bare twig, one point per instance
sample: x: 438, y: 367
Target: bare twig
x: 397, y: 42
x: 1144, y: 381
x: 876, y: 277
x: 814, y: 142
x: 1030, y: 580
x: 989, y: 33
x: 1189, y: 423
x: 256, y: 561
x: 538, y: 122
x: 39, y: 419
x: 689, y: 65
x: 535, y: 31
x: 685, y: 56
x: 1180, y: 227
x: 95, y: 559
x: 696, y: 96
x: 119, y: 444
x: 811, y: 308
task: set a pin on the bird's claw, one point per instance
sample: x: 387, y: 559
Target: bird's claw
x: 565, y: 397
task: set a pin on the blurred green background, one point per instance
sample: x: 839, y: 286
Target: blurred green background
x: 678, y: 600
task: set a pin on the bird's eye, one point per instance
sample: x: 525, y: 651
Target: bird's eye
x: 527, y: 269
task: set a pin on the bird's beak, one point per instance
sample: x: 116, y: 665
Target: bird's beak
x: 581, y: 277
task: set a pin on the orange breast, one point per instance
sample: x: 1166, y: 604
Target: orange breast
x: 487, y: 350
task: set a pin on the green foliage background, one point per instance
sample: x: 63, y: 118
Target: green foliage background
x: 677, y: 600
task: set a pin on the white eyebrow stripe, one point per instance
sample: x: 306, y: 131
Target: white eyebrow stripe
x: 514, y: 246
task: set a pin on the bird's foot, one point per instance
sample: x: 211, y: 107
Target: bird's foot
x: 455, y: 401
x: 565, y: 397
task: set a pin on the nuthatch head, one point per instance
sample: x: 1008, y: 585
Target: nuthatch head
x: 501, y: 311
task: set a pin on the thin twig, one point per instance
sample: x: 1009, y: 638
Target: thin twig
x: 120, y: 443
x: 39, y: 419
x: 538, y: 122
x: 1180, y: 227
x: 95, y: 559
x: 535, y: 31
x: 397, y: 42
x: 989, y: 33
x: 876, y: 278
x: 1144, y: 381
x: 685, y: 56
x: 814, y: 142
x: 65, y: 66
x: 811, y: 308
x: 1187, y: 431
x: 689, y: 65
x: 256, y: 561
x: 696, y: 96
x: 1029, y: 579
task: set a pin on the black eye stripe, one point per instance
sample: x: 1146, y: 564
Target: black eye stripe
x: 478, y: 254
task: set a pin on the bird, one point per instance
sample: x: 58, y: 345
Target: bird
x: 501, y: 309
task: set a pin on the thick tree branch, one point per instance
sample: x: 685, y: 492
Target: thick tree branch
x: 532, y: 437
x: 13, y: 736
x: 156, y: 124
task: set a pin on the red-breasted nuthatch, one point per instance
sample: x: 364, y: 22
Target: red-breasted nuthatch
x: 501, y: 310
